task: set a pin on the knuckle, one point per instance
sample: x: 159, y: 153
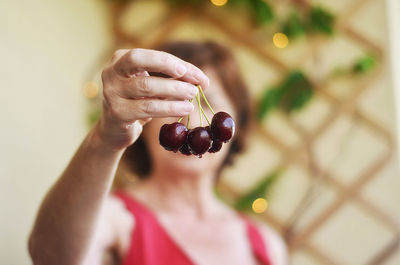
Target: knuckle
x: 119, y: 111
x: 166, y: 58
x: 107, y: 94
x: 149, y: 107
x: 182, y: 90
x: 114, y: 110
x: 105, y: 74
x: 135, y: 54
x: 143, y: 85
x: 171, y: 108
x: 116, y: 54
x: 178, y: 87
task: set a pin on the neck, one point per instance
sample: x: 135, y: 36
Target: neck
x: 186, y: 193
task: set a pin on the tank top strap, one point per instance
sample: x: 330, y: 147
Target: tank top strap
x: 257, y: 242
x: 134, y: 207
x: 150, y: 243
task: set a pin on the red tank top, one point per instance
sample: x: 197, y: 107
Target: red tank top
x: 151, y: 245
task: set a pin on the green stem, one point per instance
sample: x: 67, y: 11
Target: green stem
x: 205, y: 116
x: 188, y: 116
x: 180, y: 119
x: 205, y: 99
x: 198, y: 103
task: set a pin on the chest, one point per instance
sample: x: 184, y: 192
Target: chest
x: 211, y: 242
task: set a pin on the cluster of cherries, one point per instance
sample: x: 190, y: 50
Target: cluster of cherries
x: 197, y: 141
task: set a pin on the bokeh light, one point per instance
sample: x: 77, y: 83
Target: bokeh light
x: 259, y: 205
x: 280, y: 40
x: 219, y: 2
x: 91, y: 90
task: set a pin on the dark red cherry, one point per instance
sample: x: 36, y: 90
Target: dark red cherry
x: 199, y: 141
x: 173, y: 136
x: 216, y: 144
x: 222, y: 126
x: 185, y: 148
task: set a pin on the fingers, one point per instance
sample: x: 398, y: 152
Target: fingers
x: 137, y: 60
x: 135, y: 109
x: 195, y: 76
x: 118, y: 54
x: 130, y: 94
x: 151, y: 86
x: 144, y: 121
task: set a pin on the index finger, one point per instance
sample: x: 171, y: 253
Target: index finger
x: 137, y: 60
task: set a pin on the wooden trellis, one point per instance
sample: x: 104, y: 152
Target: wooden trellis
x: 295, y: 155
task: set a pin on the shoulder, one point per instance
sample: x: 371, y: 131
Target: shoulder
x: 112, y: 231
x: 115, y: 211
x: 276, y: 246
x: 120, y: 220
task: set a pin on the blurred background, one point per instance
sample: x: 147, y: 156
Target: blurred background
x: 321, y: 167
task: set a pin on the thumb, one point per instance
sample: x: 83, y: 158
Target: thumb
x: 144, y: 121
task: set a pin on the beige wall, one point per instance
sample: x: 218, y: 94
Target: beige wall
x: 45, y: 48
x: 393, y: 17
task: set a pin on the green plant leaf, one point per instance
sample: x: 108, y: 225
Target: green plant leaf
x: 294, y: 26
x: 270, y: 100
x: 185, y: 2
x: 262, y: 11
x: 364, y: 64
x: 300, y: 100
x: 297, y: 91
x: 247, y: 2
x: 294, y: 92
x: 260, y: 190
x: 292, y: 79
x: 321, y: 20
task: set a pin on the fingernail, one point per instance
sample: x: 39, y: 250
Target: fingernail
x: 188, y: 107
x: 193, y: 91
x: 180, y: 69
x: 200, y: 77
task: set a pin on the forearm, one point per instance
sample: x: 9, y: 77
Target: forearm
x: 67, y: 216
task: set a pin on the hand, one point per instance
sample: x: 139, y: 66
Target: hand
x: 131, y: 97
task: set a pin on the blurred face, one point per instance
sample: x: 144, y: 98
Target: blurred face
x: 179, y: 163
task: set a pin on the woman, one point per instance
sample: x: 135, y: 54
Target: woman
x: 171, y: 215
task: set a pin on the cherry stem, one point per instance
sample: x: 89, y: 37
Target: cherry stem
x: 205, y: 99
x: 188, y: 116
x: 201, y: 110
x: 180, y: 119
x: 205, y: 116
x: 198, y: 103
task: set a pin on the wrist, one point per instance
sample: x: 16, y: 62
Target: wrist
x: 99, y: 142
